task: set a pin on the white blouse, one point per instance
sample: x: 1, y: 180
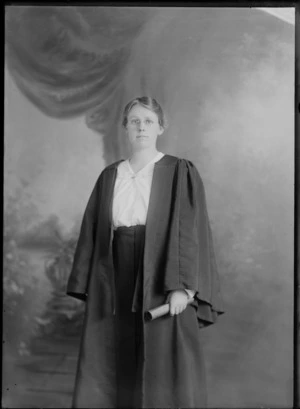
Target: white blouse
x: 131, y: 195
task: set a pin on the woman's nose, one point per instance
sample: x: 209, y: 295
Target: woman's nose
x: 142, y: 126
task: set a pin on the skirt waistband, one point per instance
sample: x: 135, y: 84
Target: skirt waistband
x: 139, y: 228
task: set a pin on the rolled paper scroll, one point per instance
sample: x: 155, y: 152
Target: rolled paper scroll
x: 160, y: 311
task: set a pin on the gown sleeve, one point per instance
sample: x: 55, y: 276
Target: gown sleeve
x: 78, y: 280
x: 197, y: 261
x: 208, y: 297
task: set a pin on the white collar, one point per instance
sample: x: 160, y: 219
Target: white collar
x: 155, y: 159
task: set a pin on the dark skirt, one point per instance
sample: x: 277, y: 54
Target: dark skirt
x: 128, y: 250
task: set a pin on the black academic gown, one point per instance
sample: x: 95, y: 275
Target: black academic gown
x: 178, y: 254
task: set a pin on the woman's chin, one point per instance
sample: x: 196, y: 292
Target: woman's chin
x: 142, y: 142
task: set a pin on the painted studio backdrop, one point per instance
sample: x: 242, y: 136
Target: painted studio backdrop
x: 225, y: 77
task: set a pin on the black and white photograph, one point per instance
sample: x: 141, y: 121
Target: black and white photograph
x: 149, y: 203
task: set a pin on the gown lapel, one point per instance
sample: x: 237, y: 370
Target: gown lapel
x: 159, y: 207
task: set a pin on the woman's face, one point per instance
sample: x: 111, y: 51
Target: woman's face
x: 142, y: 128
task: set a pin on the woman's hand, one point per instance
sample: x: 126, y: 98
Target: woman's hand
x: 178, y: 301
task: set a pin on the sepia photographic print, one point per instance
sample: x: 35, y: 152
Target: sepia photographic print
x: 148, y: 252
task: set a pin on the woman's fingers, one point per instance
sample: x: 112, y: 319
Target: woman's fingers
x: 173, y: 309
x: 177, y: 309
x: 177, y: 301
x: 181, y: 308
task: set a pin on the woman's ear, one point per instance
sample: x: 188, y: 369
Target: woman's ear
x: 161, y: 131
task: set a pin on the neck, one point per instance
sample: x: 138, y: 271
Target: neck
x: 143, y: 155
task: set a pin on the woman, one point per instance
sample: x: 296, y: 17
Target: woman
x: 145, y: 240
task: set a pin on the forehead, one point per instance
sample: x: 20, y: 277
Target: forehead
x: 141, y: 112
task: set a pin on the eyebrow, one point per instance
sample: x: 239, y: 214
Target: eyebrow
x: 134, y: 116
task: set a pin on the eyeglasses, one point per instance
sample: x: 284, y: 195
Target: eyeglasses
x: 137, y: 123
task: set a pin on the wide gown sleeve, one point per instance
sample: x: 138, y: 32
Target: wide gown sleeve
x: 198, y: 266
x: 78, y: 280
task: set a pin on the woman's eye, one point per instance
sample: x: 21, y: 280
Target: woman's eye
x: 148, y: 121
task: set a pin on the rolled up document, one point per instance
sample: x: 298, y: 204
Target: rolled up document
x: 160, y: 311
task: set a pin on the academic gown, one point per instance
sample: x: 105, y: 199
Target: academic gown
x: 178, y: 254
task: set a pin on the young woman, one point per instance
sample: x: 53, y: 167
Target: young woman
x: 145, y: 240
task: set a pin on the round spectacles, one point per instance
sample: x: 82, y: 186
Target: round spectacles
x: 137, y: 122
